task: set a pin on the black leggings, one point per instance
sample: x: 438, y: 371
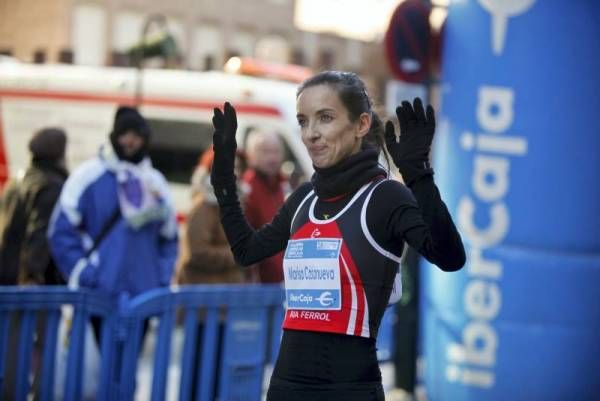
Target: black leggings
x: 324, y: 366
x: 97, y: 322
x: 283, y: 391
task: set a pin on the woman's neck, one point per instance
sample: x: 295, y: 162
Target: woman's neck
x: 348, y: 175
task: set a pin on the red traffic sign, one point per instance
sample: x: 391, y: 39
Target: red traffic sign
x: 408, y: 42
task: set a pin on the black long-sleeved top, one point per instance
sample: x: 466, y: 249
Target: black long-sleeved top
x: 395, y: 214
x: 346, y: 365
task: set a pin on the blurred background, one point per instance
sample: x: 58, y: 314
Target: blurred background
x: 205, y: 34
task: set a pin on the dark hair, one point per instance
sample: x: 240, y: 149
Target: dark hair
x: 353, y: 94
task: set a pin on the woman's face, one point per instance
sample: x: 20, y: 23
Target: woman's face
x: 327, y: 132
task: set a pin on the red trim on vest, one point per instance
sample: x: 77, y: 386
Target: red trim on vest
x: 338, y: 197
x: 335, y: 198
x: 4, y: 173
x: 360, y: 292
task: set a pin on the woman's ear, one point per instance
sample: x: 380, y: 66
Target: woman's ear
x: 364, y: 125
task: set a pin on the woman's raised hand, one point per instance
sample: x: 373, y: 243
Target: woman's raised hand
x: 222, y: 175
x: 411, y: 152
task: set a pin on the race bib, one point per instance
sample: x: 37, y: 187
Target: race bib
x: 312, y: 274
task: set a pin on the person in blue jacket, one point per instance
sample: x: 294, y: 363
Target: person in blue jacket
x: 114, y: 227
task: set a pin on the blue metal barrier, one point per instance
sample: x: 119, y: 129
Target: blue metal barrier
x: 385, y: 336
x: 229, y: 334
x: 243, y: 313
x: 28, y: 304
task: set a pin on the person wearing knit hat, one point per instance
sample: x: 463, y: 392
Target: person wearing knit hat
x: 121, y: 202
x: 48, y: 144
x: 28, y: 203
x: 130, y: 136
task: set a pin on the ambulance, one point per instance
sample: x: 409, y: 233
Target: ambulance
x: 178, y: 105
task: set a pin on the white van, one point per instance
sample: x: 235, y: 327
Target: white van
x: 177, y: 104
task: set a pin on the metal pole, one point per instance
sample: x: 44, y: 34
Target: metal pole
x: 161, y: 21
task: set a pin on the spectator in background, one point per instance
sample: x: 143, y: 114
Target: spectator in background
x: 204, y: 254
x: 24, y: 254
x: 267, y: 189
x: 114, y: 227
x: 25, y: 213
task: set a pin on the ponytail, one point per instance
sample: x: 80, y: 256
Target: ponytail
x: 376, y: 138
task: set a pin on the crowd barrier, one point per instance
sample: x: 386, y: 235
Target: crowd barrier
x: 230, y: 333
x: 29, y: 312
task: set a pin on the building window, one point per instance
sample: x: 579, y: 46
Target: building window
x: 89, y: 34
x: 273, y: 48
x: 65, y: 56
x: 39, y: 56
x: 206, y: 50
x: 209, y: 63
x: 120, y: 59
x: 243, y: 43
x: 298, y: 57
x: 310, y: 47
x: 326, y: 59
x: 354, y: 55
x: 127, y: 31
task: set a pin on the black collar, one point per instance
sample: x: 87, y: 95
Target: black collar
x: 348, y: 175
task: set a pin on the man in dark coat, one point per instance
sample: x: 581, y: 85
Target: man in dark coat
x: 25, y: 213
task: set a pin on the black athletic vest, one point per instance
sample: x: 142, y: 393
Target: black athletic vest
x: 338, y: 279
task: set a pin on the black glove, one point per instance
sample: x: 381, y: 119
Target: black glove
x: 222, y: 175
x: 411, y: 153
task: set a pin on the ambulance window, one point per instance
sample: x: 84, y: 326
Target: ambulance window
x: 176, y: 146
